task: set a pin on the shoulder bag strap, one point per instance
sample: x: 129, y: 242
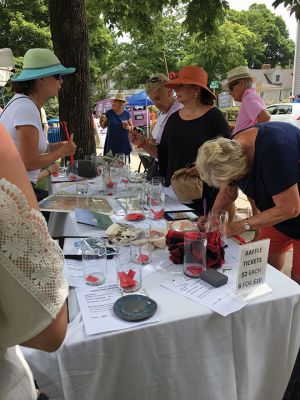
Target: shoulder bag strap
x: 21, y: 97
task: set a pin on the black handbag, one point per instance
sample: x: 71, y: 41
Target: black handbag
x: 83, y: 168
x: 153, y: 170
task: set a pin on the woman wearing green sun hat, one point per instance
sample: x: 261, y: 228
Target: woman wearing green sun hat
x: 40, y: 78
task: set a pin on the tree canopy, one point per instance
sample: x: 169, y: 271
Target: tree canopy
x: 253, y: 37
x: 201, y: 32
x: 292, y: 5
x: 24, y: 24
x: 272, y: 44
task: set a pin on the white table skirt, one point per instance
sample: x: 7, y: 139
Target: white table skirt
x: 191, y: 354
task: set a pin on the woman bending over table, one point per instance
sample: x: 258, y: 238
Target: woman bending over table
x: 33, y: 289
x: 40, y: 79
x: 264, y: 162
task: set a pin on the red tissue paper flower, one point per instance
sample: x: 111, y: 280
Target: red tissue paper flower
x: 173, y: 75
x: 214, y: 250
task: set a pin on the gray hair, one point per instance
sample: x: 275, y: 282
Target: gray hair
x: 221, y: 161
x: 248, y: 82
x: 156, y: 82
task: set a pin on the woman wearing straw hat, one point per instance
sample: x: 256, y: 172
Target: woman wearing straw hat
x: 40, y: 78
x: 118, y: 123
x: 188, y: 128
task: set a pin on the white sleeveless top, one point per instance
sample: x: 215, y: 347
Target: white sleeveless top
x: 21, y: 110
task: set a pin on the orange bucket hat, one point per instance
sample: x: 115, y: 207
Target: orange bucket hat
x: 190, y: 75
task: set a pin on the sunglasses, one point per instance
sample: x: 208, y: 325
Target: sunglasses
x: 233, y: 85
x: 58, y: 77
x: 154, y: 79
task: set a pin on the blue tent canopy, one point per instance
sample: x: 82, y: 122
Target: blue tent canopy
x: 139, y: 99
x: 53, y: 121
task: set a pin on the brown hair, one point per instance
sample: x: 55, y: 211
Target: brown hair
x: 25, y: 87
x: 206, y: 97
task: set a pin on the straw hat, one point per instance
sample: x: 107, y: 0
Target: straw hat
x: 119, y: 96
x: 235, y: 74
x: 190, y: 75
x: 39, y: 63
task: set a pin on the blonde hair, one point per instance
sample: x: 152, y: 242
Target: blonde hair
x: 221, y: 161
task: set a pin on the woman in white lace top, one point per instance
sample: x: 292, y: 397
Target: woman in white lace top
x: 32, y: 287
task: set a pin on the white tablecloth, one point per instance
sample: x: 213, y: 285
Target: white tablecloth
x: 191, y: 354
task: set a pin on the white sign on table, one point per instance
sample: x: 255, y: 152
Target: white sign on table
x: 253, y: 258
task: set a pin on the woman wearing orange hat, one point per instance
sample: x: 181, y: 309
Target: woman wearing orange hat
x: 188, y: 128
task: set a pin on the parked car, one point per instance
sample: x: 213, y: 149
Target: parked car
x: 285, y: 112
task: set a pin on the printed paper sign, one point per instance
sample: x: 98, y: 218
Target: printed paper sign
x: 253, y: 259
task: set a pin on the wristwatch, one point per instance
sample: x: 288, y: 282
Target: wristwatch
x: 247, y: 226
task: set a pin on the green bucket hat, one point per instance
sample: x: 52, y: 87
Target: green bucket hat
x: 39, y: 63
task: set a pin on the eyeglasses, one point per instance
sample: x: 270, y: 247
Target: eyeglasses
x: 154, y: 79
x: 58, y: 77
x: 233, y: 85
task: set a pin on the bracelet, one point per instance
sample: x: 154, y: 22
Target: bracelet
x: 142, y: 144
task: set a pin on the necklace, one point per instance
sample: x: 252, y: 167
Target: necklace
x: 197, y: 112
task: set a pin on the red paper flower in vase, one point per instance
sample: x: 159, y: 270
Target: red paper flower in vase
x: 143, y: 259
x: 157, y: 214
x: 126, y: 280
x: 110, y: 184
x: 135, y: 217
x: 194, y: 270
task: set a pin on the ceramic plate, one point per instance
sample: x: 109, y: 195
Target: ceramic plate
x: 134, y: 307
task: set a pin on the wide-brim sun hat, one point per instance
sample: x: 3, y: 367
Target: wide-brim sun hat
x: 119, y: 96
x: 39, y: 63
x: 241, y: 72
x: 190, y: 75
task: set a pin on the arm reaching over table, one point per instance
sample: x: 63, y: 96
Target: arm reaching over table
x: 263, y: 161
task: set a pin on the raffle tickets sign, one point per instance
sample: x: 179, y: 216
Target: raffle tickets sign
x: 252, y: 265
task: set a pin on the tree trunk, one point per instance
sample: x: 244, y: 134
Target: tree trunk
x: 71, y: 45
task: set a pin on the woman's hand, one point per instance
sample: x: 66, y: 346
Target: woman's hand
x: 202, y: 223
x: 236, y: 227
x: 68, y: 149
x: 53, y: 168
x: 136, y: 138
x: 193, y: 171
